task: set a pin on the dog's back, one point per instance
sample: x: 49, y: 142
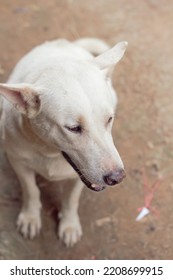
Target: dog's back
x: 49, y: 53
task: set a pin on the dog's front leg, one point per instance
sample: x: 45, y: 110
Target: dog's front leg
x: 29, y: 219
x: 70, y: 230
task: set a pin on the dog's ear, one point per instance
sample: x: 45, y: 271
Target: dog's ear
x: 107, y: 60
x: 24, y: 97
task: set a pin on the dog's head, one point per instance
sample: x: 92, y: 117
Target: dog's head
x: 71, y: 107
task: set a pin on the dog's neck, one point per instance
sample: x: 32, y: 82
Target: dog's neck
x: 37, y: 142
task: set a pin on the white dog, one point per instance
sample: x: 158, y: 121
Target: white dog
x: 57, y: 116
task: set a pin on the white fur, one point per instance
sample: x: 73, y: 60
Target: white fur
x: 60, y: 84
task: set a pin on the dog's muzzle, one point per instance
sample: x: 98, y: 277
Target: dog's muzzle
x: 91, y: 186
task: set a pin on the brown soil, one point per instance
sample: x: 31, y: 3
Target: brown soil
x: 142, y: 131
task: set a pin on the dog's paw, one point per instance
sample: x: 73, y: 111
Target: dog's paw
x: 29, y: 223
x: 70, y: 230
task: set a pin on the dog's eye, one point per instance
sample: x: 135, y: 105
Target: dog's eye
x: 75, y: 129
x: 110, y: 119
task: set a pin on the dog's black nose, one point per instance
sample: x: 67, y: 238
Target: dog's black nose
x: 114, y: 177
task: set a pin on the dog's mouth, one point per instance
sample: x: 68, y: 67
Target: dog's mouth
x: 93, y: 187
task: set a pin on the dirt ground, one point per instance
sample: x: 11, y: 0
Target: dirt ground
x: 142, y: 130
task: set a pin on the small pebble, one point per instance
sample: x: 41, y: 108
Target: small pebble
x: 102, y: 221
x: 150, y: 145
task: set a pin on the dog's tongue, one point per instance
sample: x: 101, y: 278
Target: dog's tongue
x: 97, y: 187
